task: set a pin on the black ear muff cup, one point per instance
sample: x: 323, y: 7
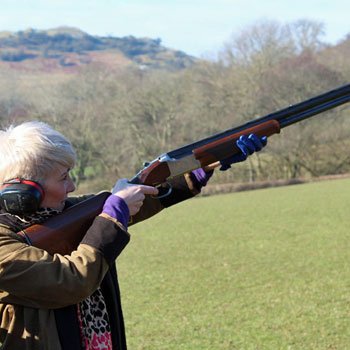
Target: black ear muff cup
x: 21, y: 197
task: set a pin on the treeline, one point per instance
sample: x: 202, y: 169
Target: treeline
x: 119, y: 119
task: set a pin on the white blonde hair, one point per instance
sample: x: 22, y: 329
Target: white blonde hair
x: 31, y: 150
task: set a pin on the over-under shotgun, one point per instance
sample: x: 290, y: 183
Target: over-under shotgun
x: 202, y: 153
x: 62, y: 233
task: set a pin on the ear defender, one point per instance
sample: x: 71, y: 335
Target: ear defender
x: 19, y: 196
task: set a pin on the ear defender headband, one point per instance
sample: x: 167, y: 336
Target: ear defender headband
x: 19, y: 196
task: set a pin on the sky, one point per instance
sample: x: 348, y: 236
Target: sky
x: 197, y: 27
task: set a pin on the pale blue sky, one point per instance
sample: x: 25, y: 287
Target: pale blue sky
x: 198, y: 27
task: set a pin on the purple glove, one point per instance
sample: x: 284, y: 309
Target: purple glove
x: 116, y: 208
x: 201, y: 177
x: 248, y: 145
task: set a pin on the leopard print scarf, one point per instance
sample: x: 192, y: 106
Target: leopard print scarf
x: 94, y: 323
x: 24, y: 221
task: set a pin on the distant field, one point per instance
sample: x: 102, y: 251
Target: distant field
x: 266, y: 269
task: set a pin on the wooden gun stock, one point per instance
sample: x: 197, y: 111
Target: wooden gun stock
x: 63, y: 233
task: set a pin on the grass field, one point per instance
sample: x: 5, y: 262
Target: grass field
x: 266, y: 269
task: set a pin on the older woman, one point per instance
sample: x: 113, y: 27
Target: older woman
x: 55, y: 302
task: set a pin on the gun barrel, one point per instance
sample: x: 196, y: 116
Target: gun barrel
x: 313, y: 111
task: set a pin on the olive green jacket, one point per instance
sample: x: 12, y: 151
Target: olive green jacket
x: 38, y: 290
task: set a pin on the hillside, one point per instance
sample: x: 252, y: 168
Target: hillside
x: 67, y: 47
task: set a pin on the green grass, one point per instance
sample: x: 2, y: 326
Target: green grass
x: 266, y: 269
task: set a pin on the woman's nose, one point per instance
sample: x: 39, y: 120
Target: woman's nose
x: 71, y: 186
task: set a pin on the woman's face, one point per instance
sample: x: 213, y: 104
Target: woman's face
x: 56, y: 188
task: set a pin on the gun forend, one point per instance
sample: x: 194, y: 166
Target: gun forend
x: 226, y: 147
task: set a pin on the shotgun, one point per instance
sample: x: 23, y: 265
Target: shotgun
x: 63, y: 233
x: 207, y: 152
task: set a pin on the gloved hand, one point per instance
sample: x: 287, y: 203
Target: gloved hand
x: 248, y: 145
x: 126, y: 200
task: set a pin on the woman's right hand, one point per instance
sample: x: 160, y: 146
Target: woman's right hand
x: 133, y: 195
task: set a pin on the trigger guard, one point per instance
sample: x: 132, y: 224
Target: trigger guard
x: 166, y: 194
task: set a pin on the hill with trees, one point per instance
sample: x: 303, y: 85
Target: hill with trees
x: 72, y: 47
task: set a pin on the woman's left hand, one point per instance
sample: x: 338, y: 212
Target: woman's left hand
x: 247, y: 145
